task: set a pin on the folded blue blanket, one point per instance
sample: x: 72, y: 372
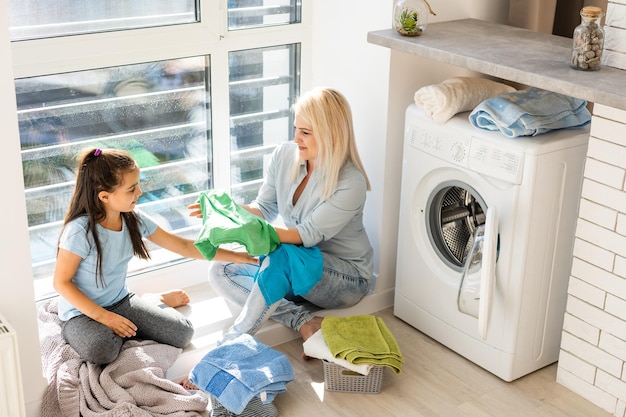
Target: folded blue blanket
x: 240, y: 369
x: 529, y: 113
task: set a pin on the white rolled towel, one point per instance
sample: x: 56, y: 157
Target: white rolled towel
x: 455, y: 95
x: 316, y: 347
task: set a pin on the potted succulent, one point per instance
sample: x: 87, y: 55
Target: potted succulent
x: 410, y: 17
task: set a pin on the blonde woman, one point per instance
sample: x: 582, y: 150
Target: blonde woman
x: 317, y: 186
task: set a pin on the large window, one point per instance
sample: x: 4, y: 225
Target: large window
x: 246, y: 14
x: 205, y: 119
x: 32, y: 19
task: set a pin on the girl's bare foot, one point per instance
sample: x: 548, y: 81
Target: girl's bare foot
x: 188, y: 385
x: 173, y: 298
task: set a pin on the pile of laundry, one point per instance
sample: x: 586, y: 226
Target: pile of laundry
x: 356, y: 343
x: 243, y: 376
x: 498, y: 107
x: 285, y: 268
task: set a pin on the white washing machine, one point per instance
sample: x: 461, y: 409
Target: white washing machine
x: 485, y: 239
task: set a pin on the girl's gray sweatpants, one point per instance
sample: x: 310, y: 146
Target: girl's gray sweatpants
x: 96, y: 343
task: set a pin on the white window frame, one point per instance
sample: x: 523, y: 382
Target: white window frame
x: 211, y: 37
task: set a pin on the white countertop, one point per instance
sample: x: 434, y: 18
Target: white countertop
x: 531, y: 58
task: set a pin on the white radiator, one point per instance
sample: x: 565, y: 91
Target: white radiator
x: 11, y: 393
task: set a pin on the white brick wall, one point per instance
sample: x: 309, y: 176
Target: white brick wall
x: 592, y: 362
x: 615, y: 34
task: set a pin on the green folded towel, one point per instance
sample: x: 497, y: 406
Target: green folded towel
x: 224, y: 221
x: 362, y: 339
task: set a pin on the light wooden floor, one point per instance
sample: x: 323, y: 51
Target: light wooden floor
x: 434, y: 382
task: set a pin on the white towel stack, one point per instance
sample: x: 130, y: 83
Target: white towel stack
x: 455, y: 95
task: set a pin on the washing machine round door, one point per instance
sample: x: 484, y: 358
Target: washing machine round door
x: 453, y: 212
x: 463, y: 232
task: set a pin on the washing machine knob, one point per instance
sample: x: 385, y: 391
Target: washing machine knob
x: 458, y: 151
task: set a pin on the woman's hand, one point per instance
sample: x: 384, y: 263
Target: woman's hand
x: 195, y: 210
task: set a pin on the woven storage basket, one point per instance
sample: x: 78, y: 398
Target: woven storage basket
x: 337, y: 378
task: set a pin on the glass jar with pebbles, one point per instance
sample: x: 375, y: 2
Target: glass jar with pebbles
x: 588, y: 40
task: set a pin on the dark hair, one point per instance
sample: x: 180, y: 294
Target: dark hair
x: 103, y: 170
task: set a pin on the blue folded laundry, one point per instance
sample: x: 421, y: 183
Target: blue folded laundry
x: 241, y: 369
x: 290, y: 268
x: 530, y: 112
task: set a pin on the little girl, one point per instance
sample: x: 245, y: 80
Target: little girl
x: 102, y: 232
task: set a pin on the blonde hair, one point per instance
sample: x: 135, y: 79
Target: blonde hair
x: 329, y: 114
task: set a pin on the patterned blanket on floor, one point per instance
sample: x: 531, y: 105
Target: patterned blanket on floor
x: 134, y: 385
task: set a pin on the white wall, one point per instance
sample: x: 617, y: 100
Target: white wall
x: 16, y: 294
x: 343, y: 59
x: 592, y: 362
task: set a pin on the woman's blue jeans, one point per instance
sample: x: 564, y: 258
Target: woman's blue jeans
x: 341, y: 286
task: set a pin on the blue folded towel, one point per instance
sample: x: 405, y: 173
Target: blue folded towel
x: 240, y: 369
x: 529, y: 113
x: 289, y: 268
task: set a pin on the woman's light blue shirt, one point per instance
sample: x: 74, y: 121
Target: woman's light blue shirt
x: 335, y: 225
x: 117, y: 251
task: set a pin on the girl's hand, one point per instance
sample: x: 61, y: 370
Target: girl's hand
x: 238, y: 257
x: 246, y: 259
x: 120, y: 325
x: 195, y: 210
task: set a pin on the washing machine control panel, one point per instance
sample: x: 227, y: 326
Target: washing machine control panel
x: 496, y: 161
x: 440, y: 145
x: 488, y: 157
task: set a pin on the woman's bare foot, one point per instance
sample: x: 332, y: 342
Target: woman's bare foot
x: 188, y: 385
x: 173, y: 298
x: 310, y: 327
